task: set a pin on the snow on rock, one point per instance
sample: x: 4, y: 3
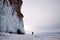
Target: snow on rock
x: 7, y: 36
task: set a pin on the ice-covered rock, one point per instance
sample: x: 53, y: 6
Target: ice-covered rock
x: 11, y: 18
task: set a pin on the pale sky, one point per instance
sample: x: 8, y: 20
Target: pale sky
x: 41, y: 15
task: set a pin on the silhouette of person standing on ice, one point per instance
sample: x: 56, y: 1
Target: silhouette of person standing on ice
x: 32, y: 33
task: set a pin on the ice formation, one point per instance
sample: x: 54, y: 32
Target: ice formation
x: 11, y: 17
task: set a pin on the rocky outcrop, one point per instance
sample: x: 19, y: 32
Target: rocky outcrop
x: 16, y: 4
x: 11, y: 18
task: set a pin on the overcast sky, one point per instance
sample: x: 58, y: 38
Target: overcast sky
x: 41, y: 15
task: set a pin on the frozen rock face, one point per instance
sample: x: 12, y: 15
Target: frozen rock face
x: 11, y: 18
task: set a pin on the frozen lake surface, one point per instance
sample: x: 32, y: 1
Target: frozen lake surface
x: 7, y: 36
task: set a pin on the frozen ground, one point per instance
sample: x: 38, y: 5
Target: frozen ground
x: 7, y: 36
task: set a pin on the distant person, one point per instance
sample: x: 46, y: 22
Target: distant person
x: 32, y: 33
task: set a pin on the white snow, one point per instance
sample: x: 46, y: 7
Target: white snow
x: 7, y: 36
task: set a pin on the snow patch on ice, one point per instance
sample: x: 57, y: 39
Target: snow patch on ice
x: 7, y: 36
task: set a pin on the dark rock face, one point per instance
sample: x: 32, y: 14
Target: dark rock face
x: 19, y: 32
x: 16, y: 4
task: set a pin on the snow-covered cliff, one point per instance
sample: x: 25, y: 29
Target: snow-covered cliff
x: 11, y: 18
